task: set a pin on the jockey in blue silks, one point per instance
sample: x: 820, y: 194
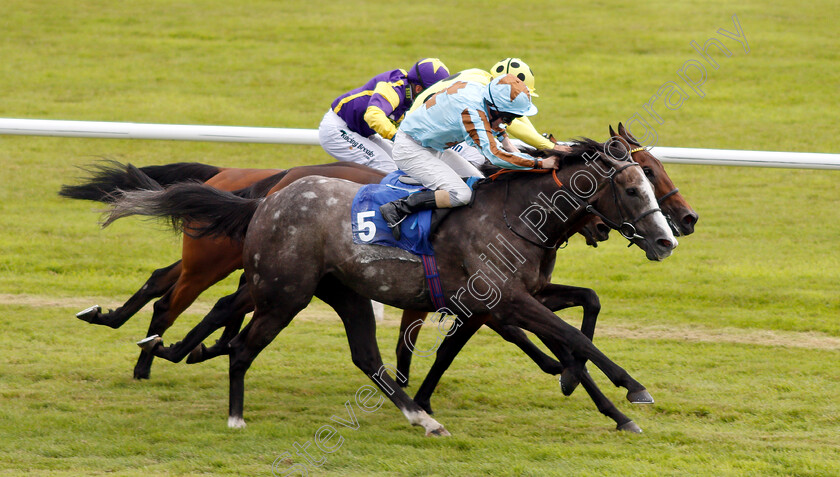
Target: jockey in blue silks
x: 465, y: 111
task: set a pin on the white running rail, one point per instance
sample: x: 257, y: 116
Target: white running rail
x: 178, y: 132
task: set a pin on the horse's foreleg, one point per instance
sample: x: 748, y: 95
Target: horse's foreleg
x: 558, y: 297
x: 449, y: 348
x: 516, y: 336
x: 158, y: 283
x: 526, y: 312
x: 605, y: 406
x: 547, y: 364
x: 410, y: 326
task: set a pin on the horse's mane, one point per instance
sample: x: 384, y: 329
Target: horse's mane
x: 582, y: 150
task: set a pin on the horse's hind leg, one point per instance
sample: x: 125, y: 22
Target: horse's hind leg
x: 228, y: 312
x: 170, y: 307
x: 241, y: 306
x: 356, y: 313
x: 269, y: 319
x: 158, y: 283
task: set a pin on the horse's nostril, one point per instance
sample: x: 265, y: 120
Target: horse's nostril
x: 665, y: 243
x: 690, y: 219
x: 602, y: 229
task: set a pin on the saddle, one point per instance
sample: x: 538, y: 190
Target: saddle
x: 417, y: 229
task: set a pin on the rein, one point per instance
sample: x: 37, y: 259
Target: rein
x: 627, y: 228
x: 494, y: 176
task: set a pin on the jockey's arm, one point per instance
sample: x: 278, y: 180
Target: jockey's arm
x: 480, y: 132
x: 508, y: 144
x: 383, y: 102
x: 522, y: 129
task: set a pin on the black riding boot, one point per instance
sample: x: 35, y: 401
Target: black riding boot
x: 396, y: 211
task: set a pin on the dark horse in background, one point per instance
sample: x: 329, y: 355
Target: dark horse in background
x: 291, y: 254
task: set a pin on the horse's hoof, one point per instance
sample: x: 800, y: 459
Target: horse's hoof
x: 630, y: 426
x: 236, y: 422
x: 439, y: 432
x: 89, y: 314
x: 148, y: 344
x: 640, y: 397
x: 568, y: 382
x: 141, y: 374
x: 197, y: 354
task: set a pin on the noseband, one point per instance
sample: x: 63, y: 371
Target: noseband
x: 627, y: 228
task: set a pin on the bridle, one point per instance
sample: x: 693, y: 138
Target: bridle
x: 627, y: 227
x: 662, y: 199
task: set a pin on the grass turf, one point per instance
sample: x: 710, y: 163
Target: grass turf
x: 764, y: 258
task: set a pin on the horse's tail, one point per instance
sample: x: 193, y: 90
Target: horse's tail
x: 109, y: 176
x: 193, y: 208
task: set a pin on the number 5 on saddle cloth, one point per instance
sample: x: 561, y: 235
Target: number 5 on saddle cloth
x: 370, y: 228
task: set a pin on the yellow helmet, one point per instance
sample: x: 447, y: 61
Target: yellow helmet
x: 517, y: 68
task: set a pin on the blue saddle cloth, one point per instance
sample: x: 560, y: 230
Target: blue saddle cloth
x: 370, y: 228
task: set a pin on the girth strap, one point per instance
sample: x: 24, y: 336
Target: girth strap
x: 433, y: 281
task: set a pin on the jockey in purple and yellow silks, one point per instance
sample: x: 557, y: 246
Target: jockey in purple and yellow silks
x: 465, y: 111
x: 360, y: 123
x: 520, y: 128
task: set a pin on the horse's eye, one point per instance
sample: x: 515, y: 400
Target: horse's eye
x: 632, y: 192
x: 648, y: 172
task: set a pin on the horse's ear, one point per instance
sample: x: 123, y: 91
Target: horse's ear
x: 612, y: 133
x: 626, y: 135
x: 609, y: 160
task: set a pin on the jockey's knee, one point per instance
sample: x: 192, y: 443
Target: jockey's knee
x: 383, y: 163
x: 460, y: 197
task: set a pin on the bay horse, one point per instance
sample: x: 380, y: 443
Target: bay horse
x: 204, y: 260
x: 290, y: 255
